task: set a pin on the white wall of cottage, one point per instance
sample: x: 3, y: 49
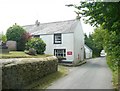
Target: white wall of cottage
x: 78, y: 43
x: 67, y: 43
x: 72, y: 42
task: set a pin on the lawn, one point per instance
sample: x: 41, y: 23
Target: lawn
x: 47, y: 80
x: 19, y: 54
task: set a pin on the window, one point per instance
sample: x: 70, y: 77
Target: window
x: 57, y: 39
x: 60, y: 52
x: 36, y: 36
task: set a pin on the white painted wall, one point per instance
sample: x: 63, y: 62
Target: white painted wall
x: 78, y: 43
x: 88, y: 52
x: 70, y: 41
x: 67, y: 43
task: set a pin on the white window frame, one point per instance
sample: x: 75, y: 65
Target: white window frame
x: 60, y: 53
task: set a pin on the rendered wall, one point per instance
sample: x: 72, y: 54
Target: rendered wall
x: 78, y: 43
x: 67, y: 43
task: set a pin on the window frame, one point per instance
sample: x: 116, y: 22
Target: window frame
x: 55, y: 40
x: 63, y: 53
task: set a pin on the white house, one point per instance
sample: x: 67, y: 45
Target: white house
x: 62, y: 38
x: 88, y: 52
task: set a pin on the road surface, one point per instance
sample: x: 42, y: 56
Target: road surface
x: 95, y: 74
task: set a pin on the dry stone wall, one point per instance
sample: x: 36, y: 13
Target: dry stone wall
x: 19, y: 73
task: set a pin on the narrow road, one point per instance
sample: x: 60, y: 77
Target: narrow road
x: 95, y: 74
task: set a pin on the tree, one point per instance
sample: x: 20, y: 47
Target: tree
x: 107, y: 15
x: 100, y: 13
x: 98, y: 37
x: 17, y: 33
x: 89, y: 41
x: 4, y: 38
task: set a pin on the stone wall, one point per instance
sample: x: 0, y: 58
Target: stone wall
x: 20, y: 73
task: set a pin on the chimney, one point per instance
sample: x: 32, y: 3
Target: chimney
x: 37, y: 23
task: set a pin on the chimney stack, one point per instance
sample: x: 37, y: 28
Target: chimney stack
x: 37, y: 23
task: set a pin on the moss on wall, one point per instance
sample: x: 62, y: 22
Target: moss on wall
x: 18, y: 74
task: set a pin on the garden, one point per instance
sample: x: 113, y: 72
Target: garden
x: 24, y: 61
x: 17, y: 43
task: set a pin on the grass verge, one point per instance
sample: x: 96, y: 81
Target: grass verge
x: 115, y: 75
x: 47, y: 80
x: 19, y: 54
x: 115, y: 80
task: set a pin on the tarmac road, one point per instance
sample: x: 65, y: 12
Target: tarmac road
x: 95, y: 74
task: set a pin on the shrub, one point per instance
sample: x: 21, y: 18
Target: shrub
x: 17, y: 33
x: 36, y: 43
x: 4, y: 38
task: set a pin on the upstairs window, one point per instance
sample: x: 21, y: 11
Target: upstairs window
x: 57, y: 39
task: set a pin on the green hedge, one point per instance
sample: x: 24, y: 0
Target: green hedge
x: 21, y: 73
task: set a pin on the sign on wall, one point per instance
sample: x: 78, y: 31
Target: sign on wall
x: 69, y: 53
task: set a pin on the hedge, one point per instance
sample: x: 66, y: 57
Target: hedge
x: 22, y: 72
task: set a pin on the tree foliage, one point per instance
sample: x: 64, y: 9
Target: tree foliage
x: 18, y: 34
x: 98, y: 37
x: 107, y: 15
x: 100, y: 13
x: 95, y: 45
x: 4, y: 38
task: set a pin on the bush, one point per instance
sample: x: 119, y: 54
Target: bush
x: 4, y: 38
x: 36, y: 43
x: 17, y: 33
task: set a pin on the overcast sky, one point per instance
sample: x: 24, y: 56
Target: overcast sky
x: 26, y: 12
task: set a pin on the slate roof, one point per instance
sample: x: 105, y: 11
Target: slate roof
x: 52, y: 27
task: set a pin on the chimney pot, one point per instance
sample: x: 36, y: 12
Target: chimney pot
x: 37, y: 23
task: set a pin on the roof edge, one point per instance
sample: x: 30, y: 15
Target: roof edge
x: 51, y: 22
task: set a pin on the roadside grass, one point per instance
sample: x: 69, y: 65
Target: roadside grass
x: 115, y: 75
x: 116, y: 79
x: 47, y: 80
x: 19, y: 54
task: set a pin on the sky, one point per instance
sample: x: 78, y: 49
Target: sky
x: 26, y: 12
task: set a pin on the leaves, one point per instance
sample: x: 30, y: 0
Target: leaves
x: 4, y: 38
x: 100, y: 13
x: 94, y: 45
x: 107, y: 15
x: 16, y: 33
